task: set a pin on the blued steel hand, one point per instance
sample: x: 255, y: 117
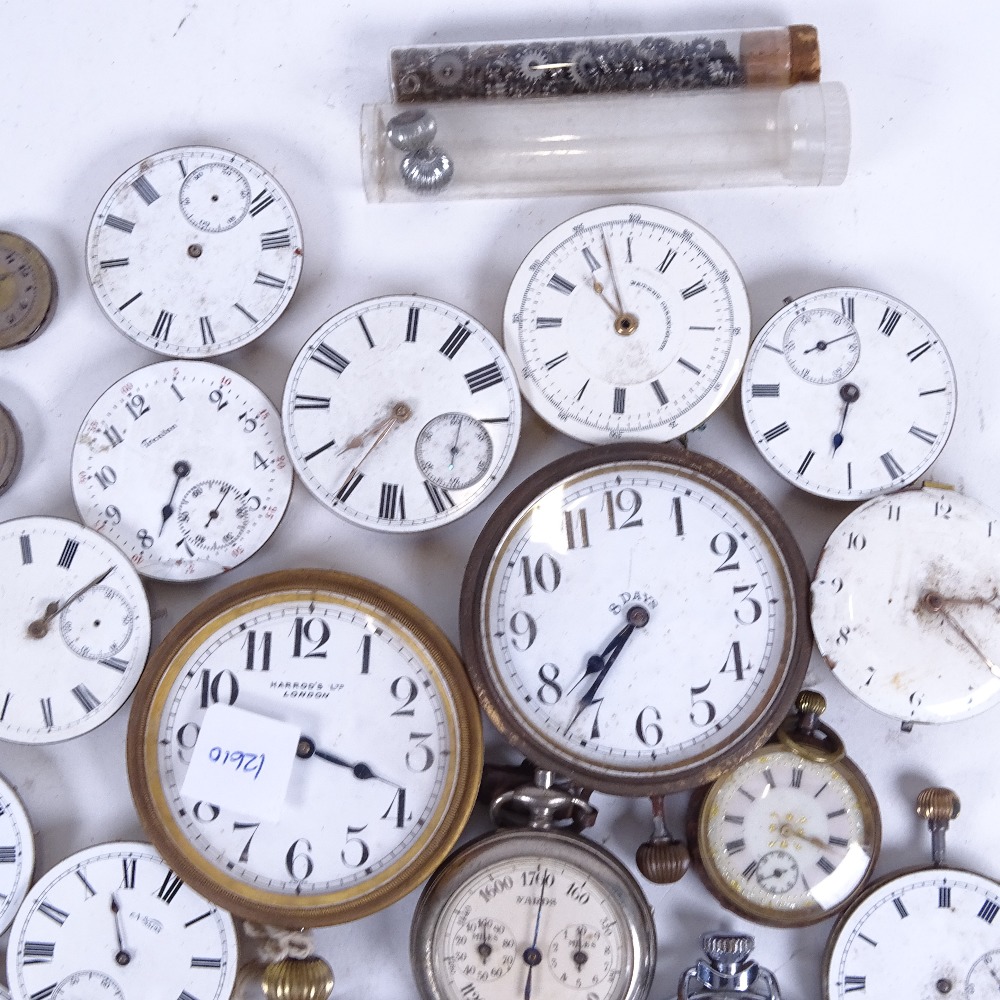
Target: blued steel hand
x: 362, y: 771
x: 213, y: 514
x: 181, y: 469
x: 532, y: 956
x: 822, y: 345
x: 850, y: 394
x: 123, y: 955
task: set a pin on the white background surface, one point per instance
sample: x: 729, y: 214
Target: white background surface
x: 89, y: 89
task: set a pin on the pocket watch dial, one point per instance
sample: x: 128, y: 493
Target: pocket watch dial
x: 17, y: 854
x: 532, y: 914
x: 906, y: 604
x: 849, y: 393
x: 387, y: 763
x: 926, y: 933
x: 114, y: 921
x: 27, y: 290
x: 786, y: 840
x: 627, y: 322
x: 402, y: 413
x: 634, y: 616
x: 182, y: 465
x: 194, y: 251
x: 11, y: 449
x: 75, y: 629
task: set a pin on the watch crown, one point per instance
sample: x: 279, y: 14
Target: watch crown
x: 725, y: 949
x: 938, y: 805
x: 662, y: 860
x: 298, y: 979
x: 810, y: 703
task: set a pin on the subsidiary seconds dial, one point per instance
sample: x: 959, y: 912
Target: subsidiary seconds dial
x: 194, y: 251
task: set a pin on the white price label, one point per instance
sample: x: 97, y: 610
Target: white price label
x: 242, y: 761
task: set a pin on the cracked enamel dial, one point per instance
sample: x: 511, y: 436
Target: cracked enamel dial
x: 194, y: 252
x: 75, y: 629
x: 402, y: 413
x: 182, y: 465
x: 633, y: 616
x: 627, y: 322
x: 906, y: 605
x: 387, y: 762
x: 114, y: 921
x: 530, y: 913
x: 849, y: 393
x: 17, y: 854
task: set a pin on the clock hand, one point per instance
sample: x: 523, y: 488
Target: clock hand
x: 484, y: 948
x: 936, y: 603
x: 637, y: 617
x: 213, y: 514
x: 40, y: 626
x: 532, y: 956
x: 850, y: 394
x: 307, y: 748
x: 181, y: 469
x: 599, y: 288
x: 614, y: 278
x: 454, y: 445
x: 579, y: 956
x: 399, y: 413
x: 123, y: 955
x: 787, y: 830
x: 822, y: 345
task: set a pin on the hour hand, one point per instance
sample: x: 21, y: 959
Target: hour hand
x: 938, y: 605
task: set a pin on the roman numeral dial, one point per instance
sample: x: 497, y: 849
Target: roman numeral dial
x: 402, y: 413
x: 194, y: 252
x: 640, y: 307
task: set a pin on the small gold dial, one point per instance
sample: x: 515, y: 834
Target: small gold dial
x: 27, y: 290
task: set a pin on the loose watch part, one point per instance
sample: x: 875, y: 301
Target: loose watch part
x: 402, y: 413
x: 922, y: 932
x: 194, y: 252
x: 114, y: 921
x: 75, y: 629
x: 906, y: 604
x: 536, y: 912
x: 729, y: 974
x: 383, y: 772
x: 790, y: 836
x: 634, y: 616
x: 17, y: 854
x: 182, y: 465
x: 11, y: 449
x: 627, y: 322
x: 849, y: 393
x: 27, y: 290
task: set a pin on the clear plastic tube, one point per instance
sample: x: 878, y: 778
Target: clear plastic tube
x: 748, y: 137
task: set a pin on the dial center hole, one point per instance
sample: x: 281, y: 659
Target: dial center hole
x: 532, y: 956
x: 626, y: 324
x: 849, y: 392
x: 194, y: 250
x: 637, y: 615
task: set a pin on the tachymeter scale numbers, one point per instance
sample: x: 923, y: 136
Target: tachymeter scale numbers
x: 76, y: 621
x: 183, y: 466
x: 627, y: 322
x: 849, y: 393
x: 194, y: 252
x: 114, y: 920
x: 401, y: 413
x: 941, y: 925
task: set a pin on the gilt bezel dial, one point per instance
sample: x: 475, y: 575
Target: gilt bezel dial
x: 388, y: 760
x: 194, y: 252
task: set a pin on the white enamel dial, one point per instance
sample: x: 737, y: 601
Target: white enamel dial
x: 926, y: 933
x: 633, y: 615
x: 183, y: 466
x: 906, y: 605
x: 535, y: 915
x: 194, y: 251
x: 849, y: 393
x: 627, y: 322
x: 17, y: 854
x: 114, y: 921
x: 386, y: 766
x: 402, y: 413
x: 787, y: 840
x: 75, y: 629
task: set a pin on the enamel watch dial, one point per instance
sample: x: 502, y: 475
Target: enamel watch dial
x: 627, y: 322
x: 402, y: 413
x: 385, y: 769
x: 17, y: 854
x: 27, y: 290
x: 182, y: 465
x: 194, y: 252
x: 906, y: 604
x: 849, y: 393
x: 634, y: 617
x: 114, y: 921
x: 75, y: 629
x: 530, y: 913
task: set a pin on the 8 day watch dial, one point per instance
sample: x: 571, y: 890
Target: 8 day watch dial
x: 75, y: 629
x: 849, y: 393
x: 194, y: 251
x: 402, y: 413
x: 387, y: 761
x: 634, y: 617
x: 114, y: 922
x: 182, y: 465
x: 627, y: 322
